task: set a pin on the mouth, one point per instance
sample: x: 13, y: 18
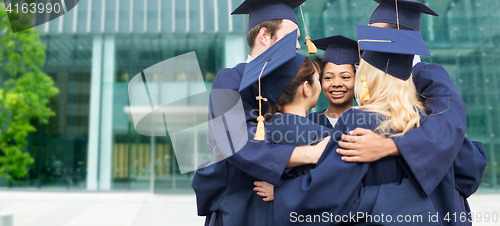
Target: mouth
x: 337, y: 94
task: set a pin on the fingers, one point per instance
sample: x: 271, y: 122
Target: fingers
x: 321, y: 146
x: 351, y: 138
x: 347, y: 152
x: 348, y: 146
x: 266, y: 195
x: 259, y: 183
x: 356, y: 135
x: 268, y: 199
x: 351, y: 159
x: 262, y: 194
x: 323, y: 143
x: 259, y: 189
x: 360, y: 132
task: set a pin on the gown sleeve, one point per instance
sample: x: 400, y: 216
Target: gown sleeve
x: 469, y: 166
x: 430, y: 149
x: 209, y: 184
x: 331, y: 187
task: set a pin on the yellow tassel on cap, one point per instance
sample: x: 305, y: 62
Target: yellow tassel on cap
x: 365, y: 93
x: 261, y: 132
x: 311, y: 48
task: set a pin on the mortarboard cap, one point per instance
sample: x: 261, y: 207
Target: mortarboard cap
x: 262, y: 10
x: 408, y: 13
x: 391, y: 50
x: 339, y: 49
x: 274, y: 69
x: 279, y: 64
x: 276, y: 82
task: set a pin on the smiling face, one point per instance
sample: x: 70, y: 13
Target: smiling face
x: 338, y: 84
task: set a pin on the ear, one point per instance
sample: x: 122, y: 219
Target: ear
x: 306, y: 88
x: 263, y: 36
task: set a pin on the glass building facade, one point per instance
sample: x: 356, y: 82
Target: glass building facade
x: 96, y: 48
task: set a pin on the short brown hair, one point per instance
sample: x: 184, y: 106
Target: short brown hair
x: 272, y: 26
x: 401, y: 27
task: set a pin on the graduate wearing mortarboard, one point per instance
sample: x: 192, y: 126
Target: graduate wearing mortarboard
x: 269, y: 21
x: 389, y: 105
x: 225, y: 192
x: 289, y: 83
x: 290, y: 91
x: 337, y: 78
x: 437, y: 153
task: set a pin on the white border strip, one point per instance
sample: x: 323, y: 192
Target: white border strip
x: 103, y: 11
x: 202, y: 15
x: 89, y: 15
x: 216, y: 15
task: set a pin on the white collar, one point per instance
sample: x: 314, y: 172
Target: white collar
x: 249, y: 59
x: 416, y: 60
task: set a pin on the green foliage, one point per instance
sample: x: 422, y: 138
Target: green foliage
x: 24, y: 96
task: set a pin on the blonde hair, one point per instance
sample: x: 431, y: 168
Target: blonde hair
x: 391, y: 97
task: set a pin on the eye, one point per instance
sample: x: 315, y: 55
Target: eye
x: 346, y: 77
x: 327, y: 77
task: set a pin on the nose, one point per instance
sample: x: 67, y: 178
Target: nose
x: 297, y: 45
x: 336, y: 83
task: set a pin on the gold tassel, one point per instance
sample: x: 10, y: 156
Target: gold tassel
x: 365, y: 93
x: 261, y: 132
x: 311, y: 48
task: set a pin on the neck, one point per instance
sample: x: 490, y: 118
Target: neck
x: 296, y: 109
x: 334, y: 111
x: 256, y: 51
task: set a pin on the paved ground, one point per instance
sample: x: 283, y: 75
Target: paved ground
x: 99, y: 209
x: 485, y: 206
x: 138, y: 209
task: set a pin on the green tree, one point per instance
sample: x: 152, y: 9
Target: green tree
x: 24, y: 94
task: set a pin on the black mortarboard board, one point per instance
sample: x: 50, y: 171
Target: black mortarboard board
x: 339, y: 49
x: 408, y: 13
x: 279, y: 64
x: 391, y: 50
x: 262, y: 10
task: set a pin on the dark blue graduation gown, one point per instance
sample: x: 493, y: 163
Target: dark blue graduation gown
x: 469, y: 165
x: 226, y: 187
x: 292, y: 130
x: 295, y: 130
x: 224, y: 194
x: 432, y: 150
x: 336, y: 187
x: 320, y: 119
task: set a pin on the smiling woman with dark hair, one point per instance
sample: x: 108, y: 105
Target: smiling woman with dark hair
x: 337, y: 78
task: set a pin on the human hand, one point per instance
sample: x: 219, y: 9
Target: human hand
x: 303, y: 155
x: 364, y: 145
x: 265, y: 190
x: 317, y: 150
